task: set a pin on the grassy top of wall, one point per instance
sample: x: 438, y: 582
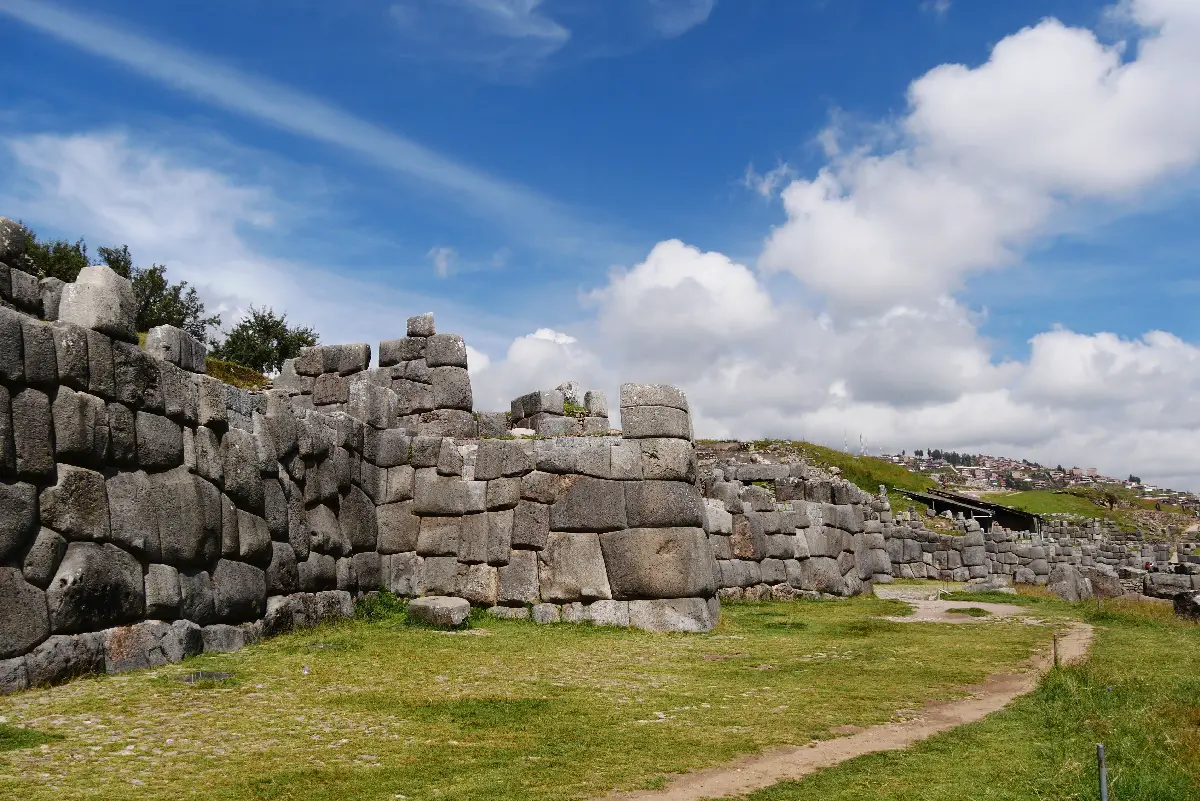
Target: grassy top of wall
x: 235, y: 374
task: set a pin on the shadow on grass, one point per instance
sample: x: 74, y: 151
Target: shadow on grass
x: 13, y: 738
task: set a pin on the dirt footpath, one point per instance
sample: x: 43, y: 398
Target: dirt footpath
x: 792, y: 762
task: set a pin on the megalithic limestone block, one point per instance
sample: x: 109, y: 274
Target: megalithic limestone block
x: 101, y: 300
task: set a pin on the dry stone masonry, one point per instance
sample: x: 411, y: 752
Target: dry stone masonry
x: 149, y: 512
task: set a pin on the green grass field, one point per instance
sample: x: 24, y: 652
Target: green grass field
x: 1139, y: 695
x: 507, y: 710
x: 1045, y: 502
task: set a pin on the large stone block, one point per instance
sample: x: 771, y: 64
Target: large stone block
x: 101, y: 379
x: 472, y: 538
x: 403, y: 574
x: 692, y: 615
x: 658, y: 563
x: 589, y: 504
x: 25, y: 621
x: 163, y: 594
x: 41, y: 360
x: 540, y: 402
x: 358, y: 521
x: 412, y: 397
x: 43, y: 557
x: 368, y: 570
x: 501, y: 458
x: 150, y: 644
x: 421, y: 325
x: 283, y: 575
x: 12, y: 359
x: 159, y: 442
x: 668, y: 460
x: 275, y: 509
x: 451, y: 388
x: 479, y: 584
x: 77, y: 505
x: 372, y: 404
x: 122, y: 433
x: 254, y: 539
x: 26, y: 294
x: 499, y: 536
x: 8, y: 451
x: 642, y: 422
x: 589, y: 456
x: 133, y: 514
x: 663, y: 504
x: 531, y: 525
x: 439, y: 536
x: 394, y: 351
x: 80, y: 427
x: 96, y: 586
x: 503, y: 493
x: 326, y: 533
x: 137, y: 378
x: 240, y: 466
x: 440, y: 610
x: 446, y: 350
x: 399, y: 528
x: 196, y: 602
x: 388, y: 448
x: 51, y: 292
x: 31, y: 430
x: 64, y: 657
x: 821, y: 574
x: 239, y: 591
x: 318, y: 572
x: 448, y: 423
x: 519, y: 579
x: 18, y: 517
x: 440, y: 574
x: 652, y: 395
x: 101, y: 300
x: 571, y: 568
x: 438, y: 495
x: 190, y: 519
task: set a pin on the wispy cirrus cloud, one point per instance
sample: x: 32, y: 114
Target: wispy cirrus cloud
x: 539, y: 221
x: 674, y: 18
x: 939, y: 8
x: 513, y: 38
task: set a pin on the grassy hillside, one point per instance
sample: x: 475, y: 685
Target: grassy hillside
x: 1046, y: 502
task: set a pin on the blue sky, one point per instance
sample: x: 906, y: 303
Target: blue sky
x: 497, y: 160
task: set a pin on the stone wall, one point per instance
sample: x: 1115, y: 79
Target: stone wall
x: 785, y: 531
x: 149, y: 511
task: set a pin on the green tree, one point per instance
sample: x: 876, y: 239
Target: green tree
x: 57, y: 258
x: 262, y: 341
x: 159, y: 302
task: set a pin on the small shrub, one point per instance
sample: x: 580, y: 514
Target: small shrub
x: 381, y: 606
